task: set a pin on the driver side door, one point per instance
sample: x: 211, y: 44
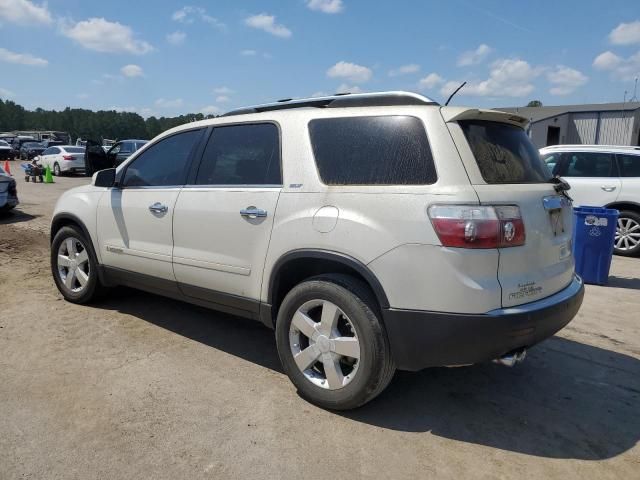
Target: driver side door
x: 135, y: 218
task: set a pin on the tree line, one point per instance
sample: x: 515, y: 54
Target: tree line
x: 83, y: 123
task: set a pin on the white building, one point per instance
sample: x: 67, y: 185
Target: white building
x: 598, y: 124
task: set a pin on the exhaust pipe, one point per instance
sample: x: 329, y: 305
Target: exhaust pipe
x: 511, y: 358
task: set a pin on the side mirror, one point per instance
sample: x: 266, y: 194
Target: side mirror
x: 105, y: 178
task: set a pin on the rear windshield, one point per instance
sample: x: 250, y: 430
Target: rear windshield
x: 74, y: 149
x: 375, y: 150
x: 504, y: 153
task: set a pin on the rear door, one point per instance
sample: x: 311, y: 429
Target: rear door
x: 505, y: 169
x: 224, y: 216
x: 593, y: 177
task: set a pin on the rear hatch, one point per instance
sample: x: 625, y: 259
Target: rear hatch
x: 505, y: 169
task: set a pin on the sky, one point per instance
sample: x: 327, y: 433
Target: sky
x: 167, y: 57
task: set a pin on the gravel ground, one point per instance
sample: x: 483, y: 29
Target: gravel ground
x: 140, y: 386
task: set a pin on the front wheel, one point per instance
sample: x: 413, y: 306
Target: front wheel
x: 74, y: 266
x: 627, y: 240
x: 332, y: 343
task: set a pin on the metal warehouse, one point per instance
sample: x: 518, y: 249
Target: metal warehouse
x: 592, y: 124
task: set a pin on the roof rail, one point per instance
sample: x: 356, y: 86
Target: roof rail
x: 340, y: 100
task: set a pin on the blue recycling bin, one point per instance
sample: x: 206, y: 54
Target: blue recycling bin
x: 594, y: 231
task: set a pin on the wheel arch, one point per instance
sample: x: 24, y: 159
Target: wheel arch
x: 622, y: 205
x: 298, y: 265
x: 65, y: 219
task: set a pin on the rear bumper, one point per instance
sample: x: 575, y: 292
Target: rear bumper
x: 421, y: 339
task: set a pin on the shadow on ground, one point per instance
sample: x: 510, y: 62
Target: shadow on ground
x: 15, y: 216
x: 624, y: 282
x: 567, y: 400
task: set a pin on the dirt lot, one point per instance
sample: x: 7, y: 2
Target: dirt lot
x: 139, y: 386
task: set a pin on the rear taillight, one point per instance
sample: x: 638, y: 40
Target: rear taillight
x: 474, y: 226
x: 68, y: 157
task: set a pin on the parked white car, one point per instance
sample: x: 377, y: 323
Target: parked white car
x: 63, y: 159
x: 603, y: 176
x: 372, y: 231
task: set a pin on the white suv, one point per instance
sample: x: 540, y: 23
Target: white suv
x: 603, y: 176
x: 372, y: 231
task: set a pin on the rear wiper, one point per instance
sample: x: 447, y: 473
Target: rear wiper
x: 560, y: 186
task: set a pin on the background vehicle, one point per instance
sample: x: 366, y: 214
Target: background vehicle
x: 63, y: 159
x: 97, y: 158
x: 603, y: 176
x: 372, y: 231
x: 18, y: 142
x: 30, y: 150
x: 5, y: 151
x: 8, y: 192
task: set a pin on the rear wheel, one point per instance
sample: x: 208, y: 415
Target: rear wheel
x: 332, y: 343
x: 56, y: 170
x: 627, y: 240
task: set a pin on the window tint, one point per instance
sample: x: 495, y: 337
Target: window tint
x: 163, y: 163
x: 629, y: 165
x: 126, y: 147
x: 553, y: 162
x: 588, y: 164
x: 74, y: 150
x: 49, y: 151
x: 242, y: 155
x: 504, y: 153
x: 383, y: 150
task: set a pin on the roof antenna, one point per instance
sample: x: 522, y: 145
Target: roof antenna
x: 455, y: 91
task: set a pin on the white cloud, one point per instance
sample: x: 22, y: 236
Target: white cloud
x: 24, y: 12
x: 565, y: 80
x: 22, y: 58
x: 507, y: 78
x: 164, y: 103
x: 268, y: 24
x: 222, y: 99
x: 431, y: 81
x: 223, y: 90
x: 248, y: 53
x: 103, y: 36
x: 320, y: 93
x: 326, y: 6
x: 624, y: 69
x: 474, y: 57
x: 350, y: 71
x: 4, y: 93
x: 176, y: 38
x: 210, y: 110
x: 344, y: 88
x: 132, y: 71
x: 625, y: 34
x: 404, y: 70
x: 189, y: 15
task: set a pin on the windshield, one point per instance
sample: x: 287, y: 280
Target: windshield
x: 3, y: 143
x: 74, y: 149
x: 504, y: 153
x: 32, y: 145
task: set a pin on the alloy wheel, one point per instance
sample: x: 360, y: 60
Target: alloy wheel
x: 324, y: 344
x: 73, y: 264
x: 627, y: 234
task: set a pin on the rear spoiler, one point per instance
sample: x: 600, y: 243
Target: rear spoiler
x: 455, y: 114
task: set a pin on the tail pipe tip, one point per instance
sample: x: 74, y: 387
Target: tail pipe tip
x: 511, y: 358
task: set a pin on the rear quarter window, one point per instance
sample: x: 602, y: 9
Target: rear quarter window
x: 375, y: 150
x: 504, y: 153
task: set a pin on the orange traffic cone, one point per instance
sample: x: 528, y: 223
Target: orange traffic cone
x: 6, y: 167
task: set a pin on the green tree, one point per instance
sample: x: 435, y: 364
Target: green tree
x: 534, y: 103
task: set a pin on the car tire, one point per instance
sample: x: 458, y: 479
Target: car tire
x: 333, y: 380
x: 76, y: 276
x: 627, y: 240
x: 56, y: 170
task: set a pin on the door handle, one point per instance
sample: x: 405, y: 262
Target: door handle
x: 158, y: 208
x: 608, y: 188
x: 253, y: 212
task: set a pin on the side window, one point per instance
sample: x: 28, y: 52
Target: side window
x: 126, y: 147
x: 380, y: 150
x: 629, y: 165
x: 553, y: 162
x: 590, y: 164
x: 115, y: 149
x: 48, y: 151
x: 163, y: 163
x: 242, y: 155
